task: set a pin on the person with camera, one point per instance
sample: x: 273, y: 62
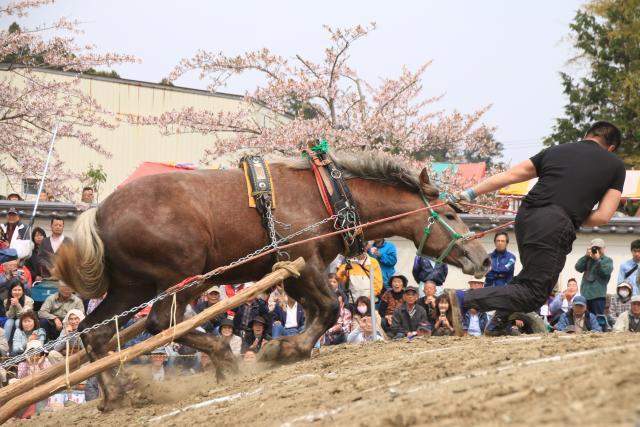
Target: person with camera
x: 597, y: 269
x: 572, y: 179
x: 353, y: 275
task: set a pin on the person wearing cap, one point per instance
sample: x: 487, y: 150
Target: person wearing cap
x: 157, y: 357
x: 12, y: 230
x: 226, y: 332
x: 409, y: 316
x: 257, y: 335
x: 15, y: 197
x: 578, y: 318
x: 621, y: 301
x: 211, y: 298
x: 630, y: 269
x: 597, y: 269
x: 391, y: 300
x: 572, y: 179
x: 629, y: 321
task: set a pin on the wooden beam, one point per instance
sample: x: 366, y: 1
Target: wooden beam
x: 164, y: 337
x: 79, y: 358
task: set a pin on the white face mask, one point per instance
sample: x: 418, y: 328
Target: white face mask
x: 624, y: 293
x: 362, y: 309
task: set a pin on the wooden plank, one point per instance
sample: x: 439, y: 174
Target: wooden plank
x: 164, y: 337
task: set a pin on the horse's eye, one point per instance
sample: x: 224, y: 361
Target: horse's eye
x: 451, y: 217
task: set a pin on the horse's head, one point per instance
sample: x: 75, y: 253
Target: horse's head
x: 441, y: 235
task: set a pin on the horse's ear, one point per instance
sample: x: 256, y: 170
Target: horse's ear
x: 425, y: 184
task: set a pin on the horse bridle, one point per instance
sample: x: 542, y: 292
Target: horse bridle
x: 455, y: 236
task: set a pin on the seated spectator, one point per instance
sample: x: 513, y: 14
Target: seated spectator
x: 252, y: 308
x: 353, y: 275
x: 70, y: 325
x: 621, y: 301
x: 15, y: 305
x: 289, y: 320
x: 364, y: 332
x: 337, y: 334
x: 226, y: 332
x: 250, y: 356
x: 11, y: 272
x: 256, y: 336
x: 386, y: 254
x: 562, y: 302
x: 427, y: 270
x: 578, y: 319
x: 55, y: 308
x: 33, y: 364
x: 474, y: 322
x: 629, y: 321
x: 428, y: 302
x: 211, y: 297
x: 333, y: 282
x: 443, y: 317
x: 362, y: 309
x: 158, y: 357
x: 26, y: 330
x: 409, y: 317
x: 34, y: 262
x: 391, y: 300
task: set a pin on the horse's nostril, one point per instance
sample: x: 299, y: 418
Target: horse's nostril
x: 487, y: 262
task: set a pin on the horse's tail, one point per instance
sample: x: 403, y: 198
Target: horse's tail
x: 80, y: 265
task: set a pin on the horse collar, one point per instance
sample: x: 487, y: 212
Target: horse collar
x: 338, y: 200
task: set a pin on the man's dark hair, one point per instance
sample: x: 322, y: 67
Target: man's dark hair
x: 573, y: 279
x: 635, y: 244
x: 607, y: 131
x: 56, y: 218
x: 87, y: 188
x: 501, y: 233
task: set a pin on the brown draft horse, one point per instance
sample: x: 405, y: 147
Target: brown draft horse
x: 154, y: 232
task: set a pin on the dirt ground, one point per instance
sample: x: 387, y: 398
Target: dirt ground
x: 551, y: 380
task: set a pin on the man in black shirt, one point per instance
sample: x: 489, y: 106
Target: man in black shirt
x: 572, y: 178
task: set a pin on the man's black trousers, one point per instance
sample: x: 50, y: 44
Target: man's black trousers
x: 545, y: 236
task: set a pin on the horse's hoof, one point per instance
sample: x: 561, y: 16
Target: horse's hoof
x: 113, y: 404
x: 283, y: 350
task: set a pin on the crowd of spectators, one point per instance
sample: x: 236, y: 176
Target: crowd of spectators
x: 404, y: 309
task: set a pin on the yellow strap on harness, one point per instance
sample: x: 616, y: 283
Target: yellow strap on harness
x: 252, y: 200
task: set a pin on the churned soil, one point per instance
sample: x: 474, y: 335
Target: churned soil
x: 551, y: 380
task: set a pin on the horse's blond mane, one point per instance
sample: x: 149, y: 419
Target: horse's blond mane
x: 376, y: 167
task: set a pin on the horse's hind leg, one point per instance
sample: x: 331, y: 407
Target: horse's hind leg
x: 321, y: 311
x: 95, y: 345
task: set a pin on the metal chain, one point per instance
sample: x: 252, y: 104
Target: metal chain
x: 219, y: 270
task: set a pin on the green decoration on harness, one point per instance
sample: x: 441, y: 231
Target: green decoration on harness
x: 321, y: 147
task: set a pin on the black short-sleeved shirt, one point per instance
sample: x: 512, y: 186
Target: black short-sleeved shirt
x: 575, y: 177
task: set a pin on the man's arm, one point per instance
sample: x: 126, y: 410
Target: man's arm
x: 523, y: 171
x: 606, y: 209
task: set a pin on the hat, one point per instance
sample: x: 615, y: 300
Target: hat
x: 159, y: 350
x: 625, y: 284
x: 635, y: 298
x: 474, y: 280
x: 14, y: 194
x: 258, y: 319
x: 33, y: 344
x: 598, y: 243
x: 226, y: 322
x: 12, y: 210
x: 579, y: 300
x: 411, y: 288
x: 213, y: 289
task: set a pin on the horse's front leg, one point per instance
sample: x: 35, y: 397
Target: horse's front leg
x: 321, y: 311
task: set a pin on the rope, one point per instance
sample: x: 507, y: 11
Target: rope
x: 172, y: 320
x: 286, y: 265
x: 122, y: 359
x: 66, y: 366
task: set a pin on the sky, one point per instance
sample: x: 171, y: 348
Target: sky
x: 507, y: 53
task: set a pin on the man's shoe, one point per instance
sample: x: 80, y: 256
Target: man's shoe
x: 498, y: 326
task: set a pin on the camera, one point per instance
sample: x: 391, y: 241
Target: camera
x: 594, y: 250
x: 20, y: 273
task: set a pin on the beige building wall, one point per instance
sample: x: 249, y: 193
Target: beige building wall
x: 132, y: 144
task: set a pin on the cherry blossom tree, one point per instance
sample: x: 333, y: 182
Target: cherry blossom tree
x: 32, y: 102
x: 302, y: 100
